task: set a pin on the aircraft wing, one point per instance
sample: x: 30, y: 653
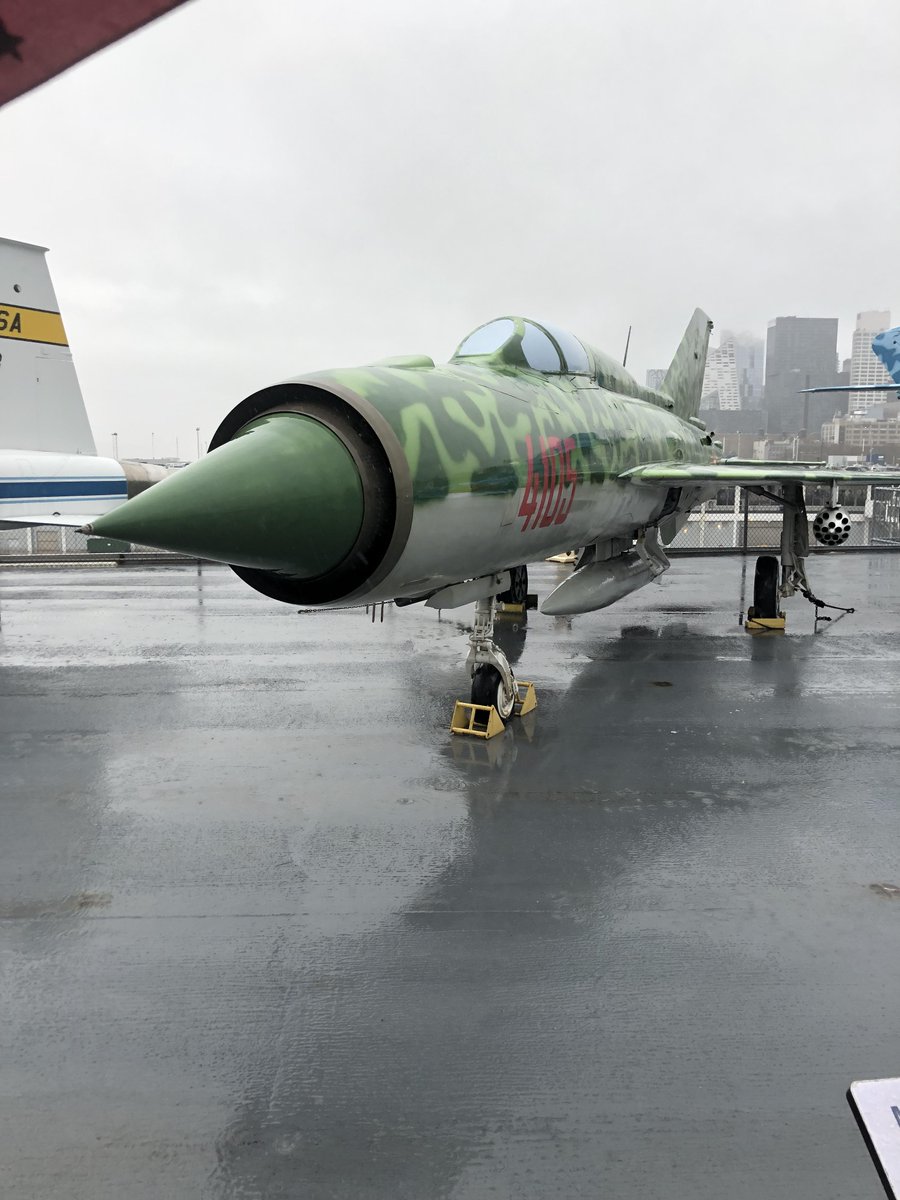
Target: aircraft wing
x: 890, y: 386
x: 761, y: 474
x: 67, y: 520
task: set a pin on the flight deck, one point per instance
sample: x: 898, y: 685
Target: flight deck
x: 269, y: 930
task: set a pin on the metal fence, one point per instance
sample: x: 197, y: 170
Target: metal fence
x: 51, y: 542
x: 734, y: 521
x: 741, y: 522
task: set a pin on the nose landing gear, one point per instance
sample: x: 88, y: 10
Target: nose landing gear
x: 496, y: 695
x: 493, y: 682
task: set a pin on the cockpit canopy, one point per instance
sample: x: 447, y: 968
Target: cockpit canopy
x: 515, y: 342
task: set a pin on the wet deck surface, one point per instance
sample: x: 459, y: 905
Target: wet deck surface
x: 268, y: 931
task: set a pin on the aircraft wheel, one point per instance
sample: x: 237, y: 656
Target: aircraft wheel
x: 487, y: 688
x: 765, y: 587
x: 518, y: 587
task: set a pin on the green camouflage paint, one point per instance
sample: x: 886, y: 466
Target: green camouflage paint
x: 464, y: 427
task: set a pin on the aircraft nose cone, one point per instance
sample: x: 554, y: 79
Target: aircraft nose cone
x: 283, y: 495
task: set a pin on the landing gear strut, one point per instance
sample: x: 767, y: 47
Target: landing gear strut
x: 492, y: 678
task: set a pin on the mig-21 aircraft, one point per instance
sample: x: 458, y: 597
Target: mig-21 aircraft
x: 404, y: 481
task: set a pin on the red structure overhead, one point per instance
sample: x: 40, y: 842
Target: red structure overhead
x: 40, y: 38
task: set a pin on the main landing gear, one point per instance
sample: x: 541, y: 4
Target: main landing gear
x: 768, y: 590
x: 764, y: 612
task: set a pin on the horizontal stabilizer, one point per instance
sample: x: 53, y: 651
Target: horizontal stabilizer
x: 741, y: 475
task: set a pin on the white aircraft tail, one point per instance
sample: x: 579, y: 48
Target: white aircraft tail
x: 41, y: 407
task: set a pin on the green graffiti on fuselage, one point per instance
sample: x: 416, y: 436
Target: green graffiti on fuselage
x: 465, y: 427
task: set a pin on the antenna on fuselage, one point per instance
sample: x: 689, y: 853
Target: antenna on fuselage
x: 627, y: 344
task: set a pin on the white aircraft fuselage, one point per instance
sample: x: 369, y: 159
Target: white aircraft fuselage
x: 40, y: 487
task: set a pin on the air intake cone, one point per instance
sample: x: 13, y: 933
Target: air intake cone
x: 284, y: 495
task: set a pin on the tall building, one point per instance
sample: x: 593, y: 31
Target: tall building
x: 801, y: 352
x: 748, y: 360
x: 720, y: 379
x: 864, y: 366
x: 655, y: 376
x: 734, y: 373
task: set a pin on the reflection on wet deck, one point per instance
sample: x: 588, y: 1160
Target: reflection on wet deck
x: 269, y: 931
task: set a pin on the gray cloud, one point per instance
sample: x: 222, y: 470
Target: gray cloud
x: 231, y: 196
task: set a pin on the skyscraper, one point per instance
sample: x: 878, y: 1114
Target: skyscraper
x: 748, y: 361
x: 801, y: 352
x: 734, y: 373
x: 864, y: 366
x: 720, y: 379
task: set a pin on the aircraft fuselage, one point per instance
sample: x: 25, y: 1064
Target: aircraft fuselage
x: 498, y: 470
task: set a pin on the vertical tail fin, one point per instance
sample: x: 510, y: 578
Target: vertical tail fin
x: 886, y: 346
x: 684, y: 378
x: 41, y: 407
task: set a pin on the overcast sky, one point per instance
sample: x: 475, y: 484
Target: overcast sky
x: 238, y: 193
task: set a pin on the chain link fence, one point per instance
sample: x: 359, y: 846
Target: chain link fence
x: 734, y: 520
x: 742, y: 522
x: 49, y: 542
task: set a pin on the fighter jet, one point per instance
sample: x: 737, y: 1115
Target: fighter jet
x: 410, y: 482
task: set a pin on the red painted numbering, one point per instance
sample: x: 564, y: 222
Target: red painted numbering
x: 550, y: 486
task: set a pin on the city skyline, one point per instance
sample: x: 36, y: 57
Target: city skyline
x: 739, y: 356
x: 738, y: 364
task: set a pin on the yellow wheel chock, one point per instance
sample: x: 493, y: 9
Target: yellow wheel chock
x: 765, y: 624
x: 483, y: 720
x: 476, y: 720
x: 526, y: 700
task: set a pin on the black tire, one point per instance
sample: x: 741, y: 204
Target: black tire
x: 487, y: 688
x: 765, y: 587
x: 518, y: 587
